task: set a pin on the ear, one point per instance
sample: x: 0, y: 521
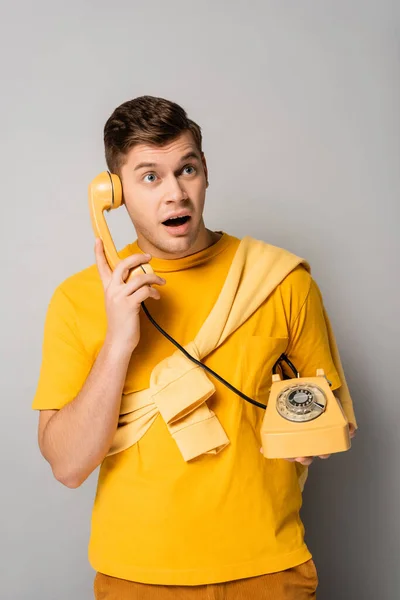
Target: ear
x: 203, y: 160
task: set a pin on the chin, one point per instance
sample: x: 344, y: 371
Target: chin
x: 172, y: 246
x: 177, y: 245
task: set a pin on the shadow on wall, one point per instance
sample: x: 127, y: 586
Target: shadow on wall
x: 345, y: 500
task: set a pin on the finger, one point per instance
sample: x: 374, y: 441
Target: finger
x: 122, y: 269
x: 305, y: 460
x: 139, y: 281
x: 101, y: 261
x: 143, y: 293
x: 352, y: 430
x: 325, y: 456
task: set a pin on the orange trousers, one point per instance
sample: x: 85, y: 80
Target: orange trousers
x: 297, y: 583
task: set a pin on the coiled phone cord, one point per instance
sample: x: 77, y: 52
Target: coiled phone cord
x: 282, y: 358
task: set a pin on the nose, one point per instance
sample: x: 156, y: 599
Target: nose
x: 175, y: 191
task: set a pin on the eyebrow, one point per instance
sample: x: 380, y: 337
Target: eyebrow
x: 150, y: 165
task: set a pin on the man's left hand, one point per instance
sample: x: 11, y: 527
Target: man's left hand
x: 307, y: 460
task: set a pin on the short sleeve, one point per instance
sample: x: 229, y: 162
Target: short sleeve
x: 309, y: 346
x: 65, y: 363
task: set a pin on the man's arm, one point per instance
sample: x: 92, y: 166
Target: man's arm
x: 76, y: 438
x: 309, y: 345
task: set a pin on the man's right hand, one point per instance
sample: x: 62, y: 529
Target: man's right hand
x: 122, y: 299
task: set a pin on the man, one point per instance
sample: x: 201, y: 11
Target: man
x: 222, y: 523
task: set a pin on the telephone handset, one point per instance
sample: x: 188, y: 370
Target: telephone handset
x: 105, y: 193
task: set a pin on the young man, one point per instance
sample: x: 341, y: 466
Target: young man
x: 170, y: 520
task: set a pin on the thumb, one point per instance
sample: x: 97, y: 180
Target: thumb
x: 102, y: 264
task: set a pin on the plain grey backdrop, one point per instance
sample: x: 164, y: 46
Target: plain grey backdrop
x: 299, y: 103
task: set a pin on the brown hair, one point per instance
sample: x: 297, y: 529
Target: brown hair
x: 145, y: 120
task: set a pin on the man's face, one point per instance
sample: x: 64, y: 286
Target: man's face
x: 164, y: 191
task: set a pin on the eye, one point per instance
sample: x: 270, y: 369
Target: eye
x: 150, y: 178
x: 189, y: 170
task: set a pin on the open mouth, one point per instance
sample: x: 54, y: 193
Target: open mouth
x: 176, y: 221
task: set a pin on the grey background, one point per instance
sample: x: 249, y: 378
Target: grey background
x: 299, y: 105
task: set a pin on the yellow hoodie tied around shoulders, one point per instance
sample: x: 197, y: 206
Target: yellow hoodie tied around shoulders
x: 179, y: 389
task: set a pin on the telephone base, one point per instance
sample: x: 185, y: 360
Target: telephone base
x: 313, y: 442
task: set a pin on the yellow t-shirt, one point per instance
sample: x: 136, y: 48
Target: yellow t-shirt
x: 156, y: 518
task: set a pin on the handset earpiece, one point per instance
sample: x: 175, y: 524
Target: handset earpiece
x: 116, y: 191
x: 106, y: 191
